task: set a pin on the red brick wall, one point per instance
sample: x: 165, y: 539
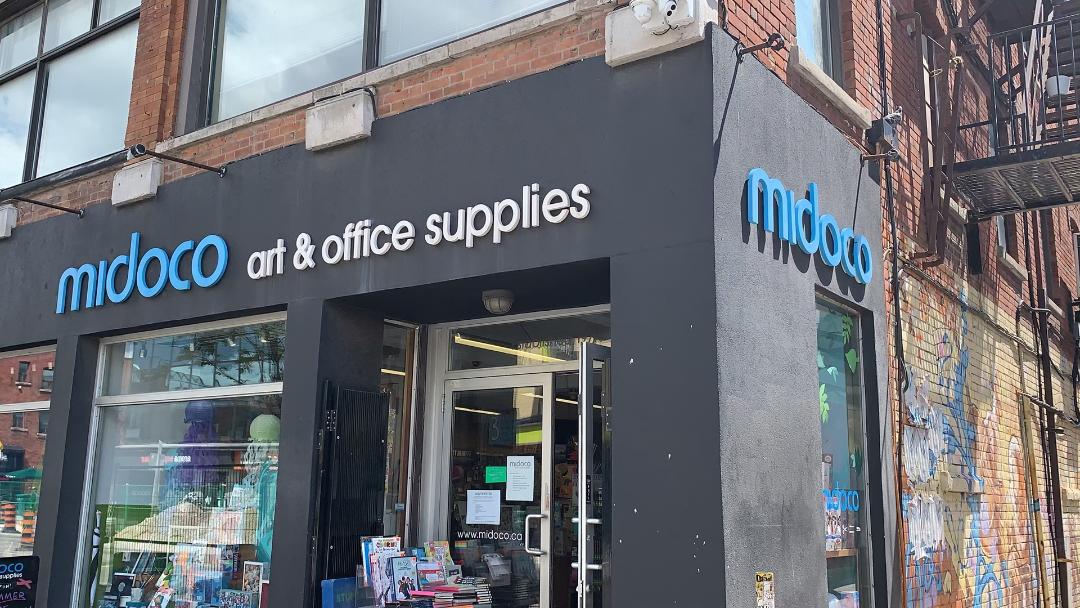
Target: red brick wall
x: 25, y: 437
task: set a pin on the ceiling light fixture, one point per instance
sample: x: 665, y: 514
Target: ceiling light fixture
x: 498, y: 301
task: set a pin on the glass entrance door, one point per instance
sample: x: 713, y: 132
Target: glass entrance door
x: 522, y: 448
x: 500, y: 491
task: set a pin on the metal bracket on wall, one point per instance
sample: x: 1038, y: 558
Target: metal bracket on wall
x: 30, y: 201
x: 139, y: 150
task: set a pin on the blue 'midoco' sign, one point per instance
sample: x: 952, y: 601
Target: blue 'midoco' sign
x: 799, y: 222
x: 92, y: 283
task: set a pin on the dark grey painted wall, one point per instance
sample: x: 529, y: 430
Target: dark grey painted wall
x: 639, y: 136
x: 714, y: 462
x: 770, y: 438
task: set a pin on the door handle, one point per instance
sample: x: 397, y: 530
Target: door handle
x: 528, y: 548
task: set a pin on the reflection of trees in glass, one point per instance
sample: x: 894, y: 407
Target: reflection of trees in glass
x: 228, y: 357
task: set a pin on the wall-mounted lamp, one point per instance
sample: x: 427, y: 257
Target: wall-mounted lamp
x: 498, y: 301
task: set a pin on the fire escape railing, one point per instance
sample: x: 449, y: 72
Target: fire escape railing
x: 1036, y: 96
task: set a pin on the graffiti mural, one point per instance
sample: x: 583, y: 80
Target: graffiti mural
x: 969, y: 535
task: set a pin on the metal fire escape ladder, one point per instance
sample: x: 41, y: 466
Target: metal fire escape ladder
x: 1033, y: 133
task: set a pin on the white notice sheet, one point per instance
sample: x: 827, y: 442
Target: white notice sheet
x: 520, y: 476
x: 483, y: 507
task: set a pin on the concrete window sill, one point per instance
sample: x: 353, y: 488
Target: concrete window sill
x: 816, y: 77
x: 1010, y: 263
x: 442, y: 54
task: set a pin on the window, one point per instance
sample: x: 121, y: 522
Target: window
x: 408, y: 27
x: 843, y: 468
x: 43, y: 423
x: 531, y: 342
x: 22, y: 453
x: 24, y: 373
x: 817, y: 29
x: 273, y: 49
x: 183, y: 484
x: 47, y: 380
x: 399, y: 343
x: 1007, y: 243
x: 268, y: 50
x: 65, y: 84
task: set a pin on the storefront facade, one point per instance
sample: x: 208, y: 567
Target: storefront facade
x: 620, y: 207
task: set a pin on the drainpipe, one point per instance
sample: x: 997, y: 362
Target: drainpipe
x: 898, y: 330
x: 1042, y: 270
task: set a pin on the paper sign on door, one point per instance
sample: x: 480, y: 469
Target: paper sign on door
x: 520, y: 478
x: 483, y: 507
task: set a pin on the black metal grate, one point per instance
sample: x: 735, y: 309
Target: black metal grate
x: 355, y: 477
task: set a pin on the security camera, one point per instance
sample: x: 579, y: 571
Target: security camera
x: 660, y: 16
x: 895, y: 117
x: 649, y: 15
x: 678, y: 13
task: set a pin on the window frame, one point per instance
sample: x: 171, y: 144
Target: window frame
x: 102, y: 401
x: 22, y: 373
x: 197, y: 103
x: 832, y: 56
x: 875, y: 485
x: 40, y: 64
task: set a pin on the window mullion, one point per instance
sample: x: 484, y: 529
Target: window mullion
x: 37, y: 114
x: 371, y: 33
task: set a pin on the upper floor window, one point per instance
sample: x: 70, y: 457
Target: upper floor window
x: 47, y: 380
x: 65, y: 84
x: 24, y: 373
x: 269, y: 50
x: 817, y: 28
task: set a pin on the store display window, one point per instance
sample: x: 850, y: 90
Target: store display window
x: 185, y: 472
x: 24, y: 412
x: 843, y: 474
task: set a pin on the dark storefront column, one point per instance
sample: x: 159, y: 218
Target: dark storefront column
x: 665, y: 454
x: 66, y: 452
x: 325, y: 341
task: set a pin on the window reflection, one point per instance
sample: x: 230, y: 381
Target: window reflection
x: 24, y: 419
x: 273, y: 49
x: 248, y: 354
x: 16, y: 101
x: 411, y: 26
x: 19, y: 39
x: 111, y: 9
x: 67, y: 19
x: 86, y: 104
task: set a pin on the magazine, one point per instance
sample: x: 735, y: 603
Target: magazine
x: 404, y: 576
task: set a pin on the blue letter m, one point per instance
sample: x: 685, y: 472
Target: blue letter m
x: 767, y: 197
x: 75, y: 276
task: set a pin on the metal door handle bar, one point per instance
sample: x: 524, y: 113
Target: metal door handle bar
x: 528, y: 547
x: 592, y: 521
x: 587, y: 566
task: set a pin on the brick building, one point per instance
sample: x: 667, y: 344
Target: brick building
x: 951, y: 477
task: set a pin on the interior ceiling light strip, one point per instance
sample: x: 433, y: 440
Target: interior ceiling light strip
x: 462, y: 340
x: 472, y: 411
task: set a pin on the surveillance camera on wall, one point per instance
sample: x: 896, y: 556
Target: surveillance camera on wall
x: 659, y: 16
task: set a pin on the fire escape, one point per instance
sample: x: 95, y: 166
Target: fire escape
x: 1022, y: 160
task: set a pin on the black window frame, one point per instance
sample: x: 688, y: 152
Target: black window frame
x: 43, y: 422
x: 204, y: 23
x: 22, y: 375
x: 18, y: 420
x: 43, y: 59
x: 880, y: 489
x: 48, y: 375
